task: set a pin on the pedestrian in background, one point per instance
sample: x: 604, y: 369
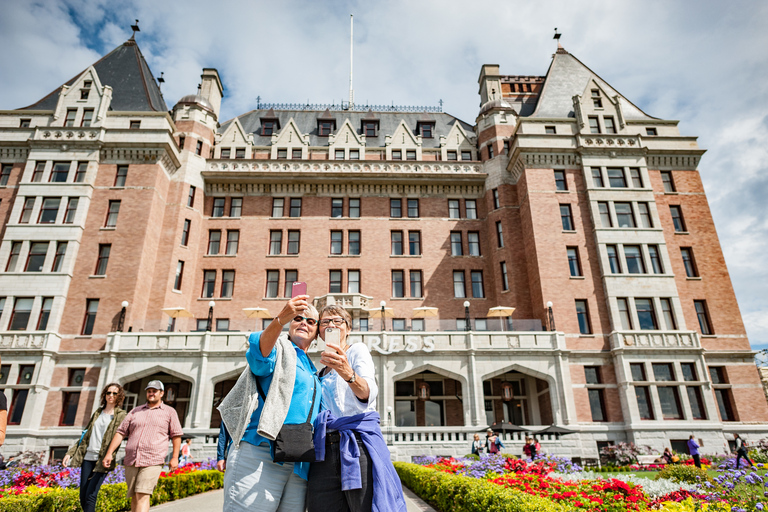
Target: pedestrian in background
x: 693, y: 449
x: 741, y: 450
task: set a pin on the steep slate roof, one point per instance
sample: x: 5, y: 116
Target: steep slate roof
x: 125, y: 70
x: 568, y: 76
x: 306, y: 120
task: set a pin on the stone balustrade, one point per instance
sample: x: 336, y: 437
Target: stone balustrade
x: 655, y: 340
x: 30, y: 341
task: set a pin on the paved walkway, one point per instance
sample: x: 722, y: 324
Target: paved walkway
x: 213, y: 501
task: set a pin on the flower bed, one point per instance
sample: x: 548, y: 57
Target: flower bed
x: 49, y: 488
x: 498, y: 478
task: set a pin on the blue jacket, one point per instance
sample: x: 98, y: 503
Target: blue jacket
x: 224, y: 442
x: 387, y: 489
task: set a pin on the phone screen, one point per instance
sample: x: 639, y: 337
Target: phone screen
x: 298, y: 288
x: 333, y: 335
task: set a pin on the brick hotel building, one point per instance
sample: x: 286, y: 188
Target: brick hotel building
x: 140, y: 242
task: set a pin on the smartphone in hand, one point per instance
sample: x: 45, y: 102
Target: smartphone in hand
x: 333, y: 335
x: 298, y: 288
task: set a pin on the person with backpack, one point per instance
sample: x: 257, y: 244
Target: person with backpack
x: 741, y: 450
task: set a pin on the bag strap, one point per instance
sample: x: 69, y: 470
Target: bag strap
x: 314, y: 395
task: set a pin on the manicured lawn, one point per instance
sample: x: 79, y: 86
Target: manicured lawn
x: 652, y: 474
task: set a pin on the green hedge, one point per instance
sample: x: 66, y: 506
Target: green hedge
x: 454, y: 493
x: 112, y: 496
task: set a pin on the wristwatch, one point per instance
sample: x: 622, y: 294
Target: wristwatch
x: 353, y: 378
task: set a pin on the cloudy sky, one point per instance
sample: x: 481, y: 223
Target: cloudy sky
x: 704, y: 63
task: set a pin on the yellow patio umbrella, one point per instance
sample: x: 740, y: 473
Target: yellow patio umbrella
x: 178, y: 312
x: 501, y: 311
x: 424, y: 312
x: 257, y: 313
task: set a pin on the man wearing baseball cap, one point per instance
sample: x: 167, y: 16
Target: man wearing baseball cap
x: 148, y: 429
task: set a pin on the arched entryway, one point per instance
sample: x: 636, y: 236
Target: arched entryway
x: 220, y: 390
x: 177, y: 393
x: 428, y: 399
x: 517, y: 398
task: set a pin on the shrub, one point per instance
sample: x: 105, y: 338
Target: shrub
x: 684, y: 473
x: 509, y: 456
x: 453, y: 493
x: 623, y: 454
x: 472, y: 456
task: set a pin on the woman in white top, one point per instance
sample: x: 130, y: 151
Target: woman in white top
x: 348, y: 436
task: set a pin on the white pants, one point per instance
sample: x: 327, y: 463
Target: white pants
x: 253, y: 482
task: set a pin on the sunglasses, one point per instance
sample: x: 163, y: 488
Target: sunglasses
x: 110, y: 393
x: 310, y: 321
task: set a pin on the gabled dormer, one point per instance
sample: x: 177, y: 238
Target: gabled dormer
x: 234, y: 142
x: 598, y: 110
x: 369, y: 125
x: 346, y: 144
x: 403, y: 144
x: 290, y: 143
x: 457, y: 145
x: 270, y: 124
x: 326, y: 124
x: 84, y: 103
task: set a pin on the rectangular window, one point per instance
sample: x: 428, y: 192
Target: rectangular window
x: 339, y: 154
x: 417, y: 324
x: 291, y: 276
x: 185, y: 232
x: 395, y: 208
x: 294, y: 239
x: 5, y: 174
x: 396, y: 243
x: 597, y: 404
x: 456, y: 246
x: 624, y: 317
x: 209, y: 283
x: 454, y: 211
x: 550, y: 130
x: 413, y: 208
x: 643, y: 395
x: 504, y: 277
x: 36, y: 256
x: 470, y: 205
x: 353, y: 238
x: 624, y: 215
x: 91, y: 308
x: 702, y: 314
x: 499, y: 234
x: 397, y: 154
x: 473, y: 243
x: 697, y: 404
x: 113, y: 211
x: 222, y: 324
x: 669, y: 398
x: 337, y: 242
x: 233, y: 241
x: 415, y: 276
x: 637, y: 180
x: 668, y: 314
x: 37, y: 174
x: 58, y: 259
x: 610, y: 127
x: 582, y: 314
x: 414, y: 243
x: 634, y: 258
x: 466, y: 155
x: 451, y: 155
x: 14, y: 257
x: 638, y: 372
x: 275, y: 242
x: 646, y: 314
x: 688, y: 262
x: 354, y: 208
x: 218, y: 207
x: 645, y: 215
x: 70, y: 119
x: 594, y: 126
x: 191, y: 196
x: 296, y: 154
x: 121, y: 175
x: 398, y: 324
x: 267, y: 128
x: 490, y: 151
x: 370, y: 129
x: 478, y: 290
x: 273, y: 281
x: 134, y: 125
x: 295, y: 207
x: 22, y: 307
x: 653, y: 252
x: 82, y: 167
x: 605, y: 215
x: 616, y: 178
x: 651, y: 132
x: 677, y: 218
x: 182, y: 140
x: 49, y: 210
x: 560, y: 182
x: 426, y: 130
x: 668, y: 182
x: 689, y: 372
x: 25, y: 123
x: 663, y: 372
x: 227, y: 283
x: 103, y: 259
x: 613, y: 259
x: 179, y: 275
x: 496, y: 201
x: 337, y: 207
x: 573, y: 261
x: 45, y: 313
x: 398, y: 283
x: 69, y: 213
x: 235, y: 206
x: 277, y: 206
x: 353, y: 281
x: 334, y: 281
x: 723, y: 397
x: 459, y: 290
x: 214, y: 241
x: 325, y: 128
x: 717, y: 375
x: 566, y: 217
x: 59, y: 172
x: 410, y: 154
x: 199, y: 148
x: 69, y: 408
x: 240, y: 153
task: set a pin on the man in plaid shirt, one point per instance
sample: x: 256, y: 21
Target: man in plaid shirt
x: 148, y: 428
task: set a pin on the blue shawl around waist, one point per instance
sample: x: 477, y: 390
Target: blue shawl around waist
x: 387, y: 489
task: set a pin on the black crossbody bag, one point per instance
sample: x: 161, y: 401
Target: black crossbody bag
x: 294, y: 443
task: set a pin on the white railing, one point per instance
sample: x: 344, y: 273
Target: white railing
x: 654, y: 339
x: 30, y: 340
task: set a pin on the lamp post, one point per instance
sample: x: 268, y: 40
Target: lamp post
x: 466, y: 316
x: 550, y: 316
x: 383, y: 324
x: 210, y: 315
x: 121, y: 320
x: 389, y: 424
